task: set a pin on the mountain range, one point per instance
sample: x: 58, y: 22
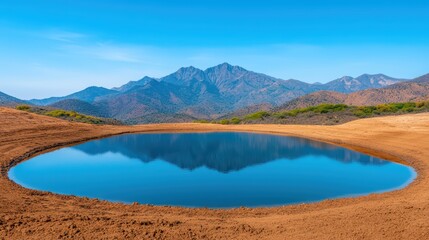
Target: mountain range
x: 191, y: 93
x: 410, y: 91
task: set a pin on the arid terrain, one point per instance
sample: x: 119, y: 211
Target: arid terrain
x: 402, y: 214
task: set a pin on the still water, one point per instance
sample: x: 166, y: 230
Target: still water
x: 215, y: 170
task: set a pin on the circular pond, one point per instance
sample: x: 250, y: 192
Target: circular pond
x: 216, y: 170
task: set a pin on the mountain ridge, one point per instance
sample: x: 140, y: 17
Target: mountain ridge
x: 347, y: 84
x: 7, y: 100
x: 194, y: 93
x: 414, y: 90
x: 88, y: 94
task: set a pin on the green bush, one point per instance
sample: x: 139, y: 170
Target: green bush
x: 420, y: 104
x: 408, y: 109
x: 280, y: 115
x: 386, y: 108
x: 235, y: 120
x: 364, y: 111
x: 257, y: 115
x: 325, y: 108
x: 294, y: 113
x: 201, y: 121
x: 360, y: 113
x: 224, y: 121
x: 23, y: 107
x: 58, y: 113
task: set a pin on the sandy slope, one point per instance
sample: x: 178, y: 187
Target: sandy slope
x: 404, y: 214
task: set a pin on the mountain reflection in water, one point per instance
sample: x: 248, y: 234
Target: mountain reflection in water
x: 221, y: 151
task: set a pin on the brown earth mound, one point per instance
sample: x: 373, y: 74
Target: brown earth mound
x: 403, y: 214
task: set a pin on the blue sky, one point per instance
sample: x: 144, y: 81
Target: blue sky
x: 55, y: 47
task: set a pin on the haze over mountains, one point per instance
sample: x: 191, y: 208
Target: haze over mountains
x: 191, y: 93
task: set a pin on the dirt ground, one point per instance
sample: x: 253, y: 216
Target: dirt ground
x: 402, y: 214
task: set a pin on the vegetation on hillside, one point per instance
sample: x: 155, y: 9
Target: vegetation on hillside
x: 326, y: 114
x: 67, y: 115
x: 409, y: 107
x: 322, y: 108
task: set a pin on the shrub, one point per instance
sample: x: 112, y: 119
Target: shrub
x: 359, y: 113
x: 224, y: 121
x: 386, y: 108
x: 257, y: 115
x: 408, y: 109
x: 74, y: 116
x: 201, y: 121
x: 55, y: 113
x: 322, y: 108
x: 325, y: 108
x: 420, y: 104
x: 235, y: 120
x: 423, y: 105
x: 280, y: 115
x: 293, y: 113
x: 23, y: 107
x: 364, y: 111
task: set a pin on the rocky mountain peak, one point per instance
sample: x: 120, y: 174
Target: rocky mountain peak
x: 185, y: 75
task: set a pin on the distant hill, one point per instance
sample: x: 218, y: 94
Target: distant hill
x: 248, y: 110
x: 414, y: 90
x: 314, y: 99
x: 6, y: 100
x: 153, y: 98
x: 324, y: 114
x: 349, y: 84
x: 81, y: 107
x: 89, y: 94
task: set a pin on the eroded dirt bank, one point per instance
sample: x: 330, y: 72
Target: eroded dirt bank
x: 403, y: 214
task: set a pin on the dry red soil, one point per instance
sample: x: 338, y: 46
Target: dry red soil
x: 402, y: 214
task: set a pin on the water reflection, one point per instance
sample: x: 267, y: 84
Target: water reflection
x: 223, y: 152
x: 209, y: 170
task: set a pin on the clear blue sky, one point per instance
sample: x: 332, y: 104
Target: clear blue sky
x: 55, y: 47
